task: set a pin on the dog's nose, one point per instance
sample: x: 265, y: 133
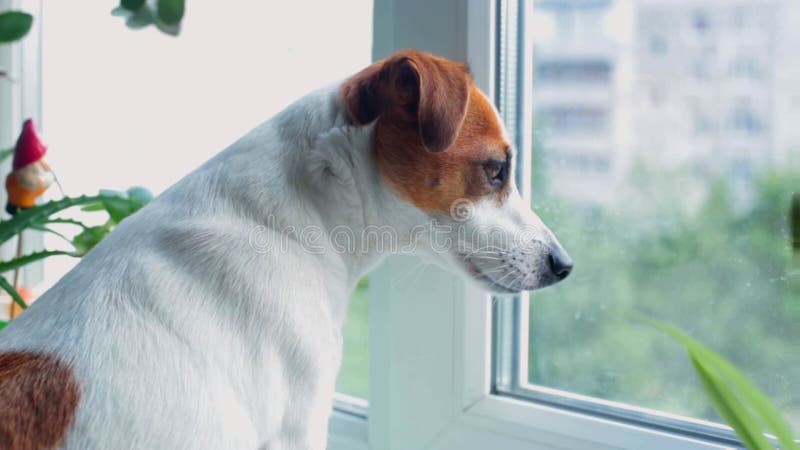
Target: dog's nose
x: 560, y: 263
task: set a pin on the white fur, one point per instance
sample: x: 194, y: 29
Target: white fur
x: 183, y: 334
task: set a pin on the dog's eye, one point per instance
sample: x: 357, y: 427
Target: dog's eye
x: 496, y: 172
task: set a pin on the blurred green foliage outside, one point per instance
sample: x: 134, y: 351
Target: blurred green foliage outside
x: 721, y: 269
x: 354, y: 376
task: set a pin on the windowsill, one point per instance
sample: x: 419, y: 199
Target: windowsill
x: 347, y: 431
x: 354, y: 406
x: 561, y: 428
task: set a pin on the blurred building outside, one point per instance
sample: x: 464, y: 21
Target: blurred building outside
x: 706, y: 87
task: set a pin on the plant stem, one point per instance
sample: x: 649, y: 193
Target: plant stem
x: 17, y: 270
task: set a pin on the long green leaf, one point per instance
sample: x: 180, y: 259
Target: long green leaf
x: 5, y: 266
x: 766, y: 413
x: 39, y: 214
x: 14, y: 25
x: 730, y: 409
x: 6, y: 286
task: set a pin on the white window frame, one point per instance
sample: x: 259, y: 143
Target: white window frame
x: 431, y: 333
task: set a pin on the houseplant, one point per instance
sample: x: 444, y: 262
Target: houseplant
x: 44, y: 217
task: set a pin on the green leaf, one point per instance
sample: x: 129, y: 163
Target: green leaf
x: 730, y: 409
x: 755, y: 399
x: 170, y: 12
x: 6, y: 286
x: 172, y: 30
x: 94, y: 207
x: 140, y: 19
x: 14, y: 25
x: 41, y: 213
x: 119, y: 11
x: 3, y: 324
x: 717, y: 369
x: 88, y: 238
x: 5, y: 266
x: 120, y: 205
x: 118, y: 208
x: 6, y: 153
x: 131, y: 5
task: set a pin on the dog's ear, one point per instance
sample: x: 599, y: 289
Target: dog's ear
x: 412, y: 88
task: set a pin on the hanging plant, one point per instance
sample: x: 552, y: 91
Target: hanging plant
x: 14, y: 25
x: 166, y: 15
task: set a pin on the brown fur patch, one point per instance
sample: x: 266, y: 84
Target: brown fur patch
x: 38, y: 398
x: 411, y: 92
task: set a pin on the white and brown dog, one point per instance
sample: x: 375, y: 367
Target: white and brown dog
x: 186, y: 329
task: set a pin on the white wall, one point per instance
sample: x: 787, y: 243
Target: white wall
x: 145, y: 108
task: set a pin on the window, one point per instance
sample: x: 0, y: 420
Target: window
x: 353, y: 378
x: 582, y: 119
x: 701, y: 123
x: 701, y: 242
x: 700, y: 21
x: 739, y: 18
x: 453, y: 369
x: 744, y: 119
x: 570, y: 71
x: 746, y: 68
x: 658, y: 45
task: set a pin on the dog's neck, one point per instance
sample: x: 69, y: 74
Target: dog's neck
x: 318, y: 184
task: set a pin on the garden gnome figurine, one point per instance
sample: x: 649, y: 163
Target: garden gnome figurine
x: 30, y: 175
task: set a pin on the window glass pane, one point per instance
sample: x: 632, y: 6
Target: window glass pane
x: 124, y: 107
x: 353, y: 378
x: 666, y: 151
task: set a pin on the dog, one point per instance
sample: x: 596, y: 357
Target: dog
x: 211, y: 318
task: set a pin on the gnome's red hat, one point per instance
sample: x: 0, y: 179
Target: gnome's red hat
x: 29, y: 148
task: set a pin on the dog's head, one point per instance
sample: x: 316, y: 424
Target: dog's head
x: 439, y: 145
